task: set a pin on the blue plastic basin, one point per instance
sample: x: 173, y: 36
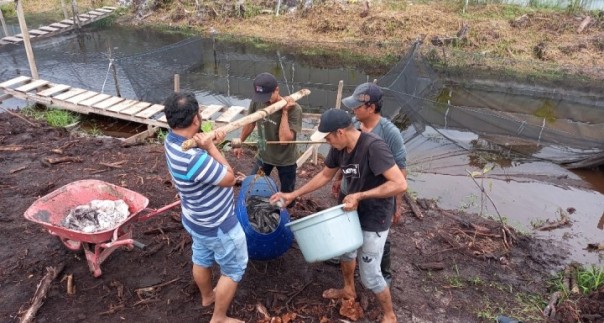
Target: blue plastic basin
x: 327, y: 234
x: 262, y: 246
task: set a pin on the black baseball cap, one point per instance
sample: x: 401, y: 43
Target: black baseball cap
x: 264, y: 86
x: 364, y: 93
x: 331, y: 120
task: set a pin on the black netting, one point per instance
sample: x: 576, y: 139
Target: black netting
x: 472, y: 111
x: 536, y: 122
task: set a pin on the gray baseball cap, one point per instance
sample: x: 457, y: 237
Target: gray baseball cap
x: 364, y: 93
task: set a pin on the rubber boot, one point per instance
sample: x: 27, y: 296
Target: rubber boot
x: 385, y: 265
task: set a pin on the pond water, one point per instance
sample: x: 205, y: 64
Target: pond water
x: 526, y: 189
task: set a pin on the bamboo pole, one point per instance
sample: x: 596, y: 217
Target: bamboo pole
x: 260, y: 114
x: 279, y: 142
x: 3, y: 24
x: 25, y: 32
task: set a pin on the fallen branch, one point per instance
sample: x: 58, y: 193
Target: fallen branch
x: 18, y: 169
x: 550, y: 309
x: 114, y: 165
x: 414, y: 207
x: 41, y: 291
x: 554, y: 225
x: 152, y: 289
x: 584, y: 24
x: 433, y: 266
x: 61, y: 150
x: 70, y: 286
x: 66, y: 159
x: 11, y: 148
x: 20, y: 117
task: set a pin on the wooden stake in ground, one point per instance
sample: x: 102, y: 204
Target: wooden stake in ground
x: 41, y: 291
x: 25, y: 32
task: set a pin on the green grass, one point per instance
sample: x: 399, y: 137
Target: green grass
x: 60, y: 118
x: 588, y: 280
x: 8, y: 10
x: 54, y: 117
x: 94, y: 131
x: 161, y: 135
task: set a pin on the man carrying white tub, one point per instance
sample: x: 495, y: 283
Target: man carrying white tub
x: 373, y: 179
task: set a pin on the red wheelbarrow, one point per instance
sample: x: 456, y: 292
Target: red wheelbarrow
x: 50, y: 210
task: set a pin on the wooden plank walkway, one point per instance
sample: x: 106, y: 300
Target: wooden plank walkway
x: 59, y: 27
x: 78, y: 100
x: 65, y: 97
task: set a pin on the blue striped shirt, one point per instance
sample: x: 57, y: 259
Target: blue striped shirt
x: 206, y: 207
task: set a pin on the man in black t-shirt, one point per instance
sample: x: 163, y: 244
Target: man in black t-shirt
x: 373, y: 178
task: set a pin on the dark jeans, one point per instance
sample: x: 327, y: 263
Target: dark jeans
x: 287, y: 174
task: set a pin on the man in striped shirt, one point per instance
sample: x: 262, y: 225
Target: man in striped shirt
x: 204, y: 180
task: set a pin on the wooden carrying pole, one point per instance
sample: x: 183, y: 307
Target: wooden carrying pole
x: 260, y: 114
x: 26, y: 42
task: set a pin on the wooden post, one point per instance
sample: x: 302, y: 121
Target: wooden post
x: 339, y: 95
x: 278, y: 8
x: 25, y: 32
x: 64, y: 9
x: 74, y: 9
x: 3, y: 24
x: 117, y: 85
x: 176, y: 83
x: 114, y: 72
x: 313, y: 151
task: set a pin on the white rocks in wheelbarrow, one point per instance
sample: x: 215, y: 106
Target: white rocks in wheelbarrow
x: 98, y: 215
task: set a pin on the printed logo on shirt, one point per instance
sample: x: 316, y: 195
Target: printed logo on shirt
x: 351, y: 171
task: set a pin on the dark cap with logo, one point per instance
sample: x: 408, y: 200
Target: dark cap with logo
x: 264, y: 86
x: 331, y: 120
x: 364, y: 93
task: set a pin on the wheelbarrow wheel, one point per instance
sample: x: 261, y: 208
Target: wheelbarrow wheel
x: 71, y: 244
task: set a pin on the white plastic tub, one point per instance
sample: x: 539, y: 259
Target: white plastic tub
x: 327, y: 234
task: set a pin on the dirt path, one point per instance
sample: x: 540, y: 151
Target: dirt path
x: 473, y: 277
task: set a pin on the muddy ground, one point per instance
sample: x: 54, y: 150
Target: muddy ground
x: 473, y: 276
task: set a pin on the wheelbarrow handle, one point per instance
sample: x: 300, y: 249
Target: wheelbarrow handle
x: 161, y: 210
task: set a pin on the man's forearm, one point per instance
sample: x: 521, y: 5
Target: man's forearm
x: 388, y: 189
x: 217, y: 155
x: 246, y: 131
x: 285, y: 133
